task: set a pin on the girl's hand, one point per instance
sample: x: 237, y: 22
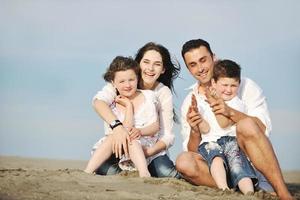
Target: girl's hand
x: 124, y: 101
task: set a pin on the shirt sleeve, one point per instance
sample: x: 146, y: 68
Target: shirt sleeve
x: 185, y: 127
x: 237, y: 104
x: 165, y: 111
x: 106, y: 94
x: 151, y: 107
x: 255, y: 101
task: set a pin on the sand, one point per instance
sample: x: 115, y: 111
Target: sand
x: 28, y: 178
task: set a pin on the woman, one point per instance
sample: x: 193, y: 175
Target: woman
x: 157, y: 74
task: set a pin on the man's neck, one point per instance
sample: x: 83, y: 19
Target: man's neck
x: 202, y: 87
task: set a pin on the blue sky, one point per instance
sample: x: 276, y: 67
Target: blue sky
x: 53, y: 55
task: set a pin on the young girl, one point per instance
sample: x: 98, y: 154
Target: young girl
x: 136, y: 111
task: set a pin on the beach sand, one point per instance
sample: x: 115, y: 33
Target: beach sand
x: 29, y: 178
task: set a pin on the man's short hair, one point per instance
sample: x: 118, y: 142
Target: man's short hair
x: 194, y: 44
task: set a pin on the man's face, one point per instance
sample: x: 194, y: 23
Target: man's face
x: 200, y: 64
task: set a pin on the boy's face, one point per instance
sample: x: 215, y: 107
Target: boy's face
x: 226, y: 88
x: 200, y: 64
x: 125, y: 82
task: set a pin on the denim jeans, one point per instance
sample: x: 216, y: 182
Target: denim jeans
x: 161, y: 166
x: 236, y: 164
x: 263, y: 183
x: 109, y: 167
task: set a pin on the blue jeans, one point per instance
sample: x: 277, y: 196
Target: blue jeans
x: 162, y: 166
x: 263, y: 183
x: 235, y: 161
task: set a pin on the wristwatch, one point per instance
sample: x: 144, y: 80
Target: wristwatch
x: 115, y: 123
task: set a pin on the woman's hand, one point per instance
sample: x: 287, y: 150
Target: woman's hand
x: 134, y: 133
x: 120, y: 140
x: 148, y: 151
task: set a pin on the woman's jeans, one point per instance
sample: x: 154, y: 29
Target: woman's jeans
x: 161, y: 166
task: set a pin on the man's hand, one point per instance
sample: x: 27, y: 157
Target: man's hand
x: 193, y: 116
x: 120, y: 140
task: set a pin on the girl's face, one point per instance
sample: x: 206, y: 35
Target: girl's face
x: 226, y: 88
x: 151, y: 68
x: 126, y: 82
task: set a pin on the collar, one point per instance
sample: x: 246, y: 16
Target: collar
x: 194, y: 89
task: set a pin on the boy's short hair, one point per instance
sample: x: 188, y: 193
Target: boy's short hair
x: 226, y: 69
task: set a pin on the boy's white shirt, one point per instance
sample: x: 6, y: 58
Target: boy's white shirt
x: 216, y: 132
x: 250, y: 94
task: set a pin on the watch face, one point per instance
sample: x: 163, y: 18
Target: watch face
x: 113, y: 123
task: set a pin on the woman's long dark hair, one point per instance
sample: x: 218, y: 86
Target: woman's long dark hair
x: 172, y: 68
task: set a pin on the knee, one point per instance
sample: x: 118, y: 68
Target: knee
x: 217, y: 161
x: 185, y: 164
x: 248, y: 129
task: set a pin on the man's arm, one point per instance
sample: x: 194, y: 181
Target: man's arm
x: 194, y: 141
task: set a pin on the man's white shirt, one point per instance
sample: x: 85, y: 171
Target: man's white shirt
x: 250, y: 94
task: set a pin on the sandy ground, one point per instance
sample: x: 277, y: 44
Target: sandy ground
x: 27, y: 178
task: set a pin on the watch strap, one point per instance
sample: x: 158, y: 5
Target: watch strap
x: 115, y: 123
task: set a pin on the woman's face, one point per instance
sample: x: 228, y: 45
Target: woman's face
x: 151, y: 68
x: 125, y: 82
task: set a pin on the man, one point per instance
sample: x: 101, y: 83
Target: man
x: 252, y: 128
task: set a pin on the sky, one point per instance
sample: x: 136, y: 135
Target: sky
x: 53, y: 55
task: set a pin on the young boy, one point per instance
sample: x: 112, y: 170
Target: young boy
x: 227, y: 163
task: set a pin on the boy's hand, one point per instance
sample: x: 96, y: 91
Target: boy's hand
x: 217, y: 104
x: 211, y: 95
